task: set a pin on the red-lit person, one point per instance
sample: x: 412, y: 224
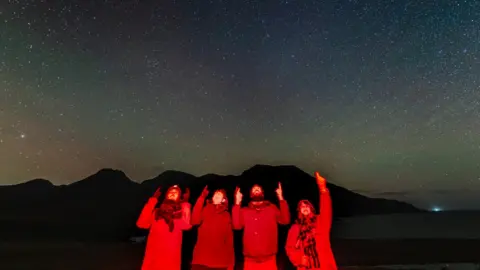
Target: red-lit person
x: 214, y: 247
x: 259, y: 221
x: 166, y: 222
x: 308, y: 241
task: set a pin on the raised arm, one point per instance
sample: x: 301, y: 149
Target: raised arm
x: 197, y: 213
x: 146, y: 216
x: 185, y: 221
x: 283, y: 216
x: 237, y: 212
x: 325, y: 218
x: 292, y: 247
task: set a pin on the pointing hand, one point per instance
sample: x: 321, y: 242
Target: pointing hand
x: 279, y: 192
x: 238, y: 196
x: 157, y: 193
x: 321, y: 182
x: 205, y: 192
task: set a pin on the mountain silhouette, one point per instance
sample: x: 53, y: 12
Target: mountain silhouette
x: 105, y: 205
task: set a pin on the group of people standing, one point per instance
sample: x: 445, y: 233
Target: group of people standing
x: 307, y: 245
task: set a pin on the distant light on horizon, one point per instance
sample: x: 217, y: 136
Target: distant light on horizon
x: 436, y: 209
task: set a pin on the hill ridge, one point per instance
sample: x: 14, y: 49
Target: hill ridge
x: 106, y: 204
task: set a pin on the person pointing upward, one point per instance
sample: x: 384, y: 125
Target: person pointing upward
x: 259, y: 221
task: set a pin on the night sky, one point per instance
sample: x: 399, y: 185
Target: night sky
x: 384, y: 96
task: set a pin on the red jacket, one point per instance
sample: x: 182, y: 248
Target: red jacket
x: 322, y: 237
x: 214, y: 247
x: 164, y: 248
x: 260, y: 228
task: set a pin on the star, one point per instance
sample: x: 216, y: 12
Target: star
x: 386, y: 106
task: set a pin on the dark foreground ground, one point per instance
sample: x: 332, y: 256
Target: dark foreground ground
x: 125, y: 256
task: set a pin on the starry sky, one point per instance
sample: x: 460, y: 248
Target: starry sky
x: 383, y: 96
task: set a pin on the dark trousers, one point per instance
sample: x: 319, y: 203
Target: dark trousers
x: 203, y: 267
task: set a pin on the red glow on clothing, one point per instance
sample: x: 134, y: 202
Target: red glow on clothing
x: 214, y: 247
x: 163, y: 250
x: 322, y: 237
x: 260, y: 226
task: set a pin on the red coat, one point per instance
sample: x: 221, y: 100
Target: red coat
x: 214, y: 247
x: 260, y: 228
x: 322, y: 237
x: 163, y: 251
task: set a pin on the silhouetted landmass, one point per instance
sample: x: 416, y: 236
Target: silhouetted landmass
x: 105, y: 206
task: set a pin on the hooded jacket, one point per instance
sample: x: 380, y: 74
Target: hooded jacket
x: 164, y: 242
x: 214, y: 247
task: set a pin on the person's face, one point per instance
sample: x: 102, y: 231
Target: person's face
x: 218, y: 197
x: 257, y: 190
x: 305, y: 209
x: 173, y: 194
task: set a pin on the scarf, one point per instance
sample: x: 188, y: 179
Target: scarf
x: 169, y: 211
x: 307, y: 229
x: 306, y: 239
